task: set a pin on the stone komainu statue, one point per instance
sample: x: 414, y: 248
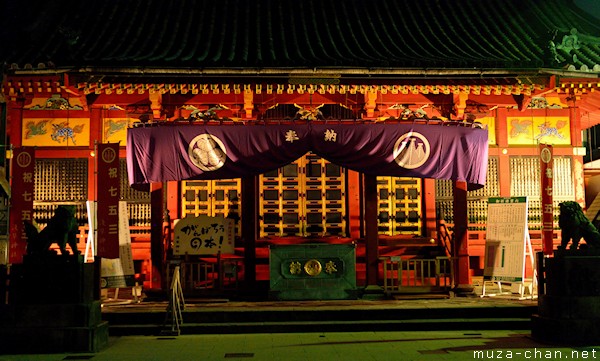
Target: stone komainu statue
x: 575, y: 225
x: 62, y: 229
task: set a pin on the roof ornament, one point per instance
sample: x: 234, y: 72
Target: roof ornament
x: 71, y: 35
x: 565, y: 52
x: 308, y: 113
x: 407, y: 114
x: 197, y: 114
x: 56, y: 102
x: 569, y: 42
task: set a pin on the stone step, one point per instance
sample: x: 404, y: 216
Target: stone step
x: 322, y: 318
x: 329, y: 326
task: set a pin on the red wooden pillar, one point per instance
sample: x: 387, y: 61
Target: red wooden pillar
x: 577, y: 142
x: 575, y: 126
x: 157, y: 249
x: 462, y: 276
x: 429, y: 210
x: 95, y: 136
x: 371, y: 232
x: 353, y: 197
x: 15, y: 121
x: 172, y: 211
x: 173, y: 201
x: 250, y: 209
x: 503, y: 152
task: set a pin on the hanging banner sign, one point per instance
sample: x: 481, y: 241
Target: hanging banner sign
x: 23, y: 169
x: 108, y: 200
x: 546, y: 165
x: 203, y: 235
x: 119, y: 272
x: 506, y: 237
x: 187, y: 152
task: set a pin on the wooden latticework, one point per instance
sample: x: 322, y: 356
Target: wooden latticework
x: 59, y: 182
x: 212, y: 198
x: 525, y: 181
x: 138, y: 202
x: 477, y: 201
x: 306, y: 197
x: 399, y: 206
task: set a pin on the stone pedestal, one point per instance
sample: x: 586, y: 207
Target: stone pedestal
x: 569, y: 310
x: 313, y: 272
x: 53, y: 306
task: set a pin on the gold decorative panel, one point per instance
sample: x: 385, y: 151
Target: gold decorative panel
x: 114, y: 130
x: 55, y: 102
x: 530, y: 130
x: 59, y: 132
x: 490, y: 124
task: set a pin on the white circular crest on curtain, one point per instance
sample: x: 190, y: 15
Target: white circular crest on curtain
x: 207, y: 152
x: 411, y: 150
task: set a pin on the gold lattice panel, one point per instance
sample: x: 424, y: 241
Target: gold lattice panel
x: 306, y: 197
x: 399, y: 206
x: 324, y: 197
x: 212, y: 198
x: 60, y: 181
x: 281, y: 209
x: 196, y: 198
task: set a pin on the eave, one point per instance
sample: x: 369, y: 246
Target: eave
x: 337, y: 80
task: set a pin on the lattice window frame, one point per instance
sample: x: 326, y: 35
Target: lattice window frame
x: 525, y: 181
x: 60, y: 181
x: 138, y: 202
x: 312, y: 214
x: 477, y: 201
x: 390, y: 203
x: 221, y: 197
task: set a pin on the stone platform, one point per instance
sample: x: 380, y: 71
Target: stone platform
x: 53, y: 306
x: 569, y: 310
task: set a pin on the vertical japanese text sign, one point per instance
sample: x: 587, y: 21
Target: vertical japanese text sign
x: 23, y: 169
x: 546, y: 164
x: 108, y: 181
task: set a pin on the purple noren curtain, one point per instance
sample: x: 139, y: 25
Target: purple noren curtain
x: 186, y: 152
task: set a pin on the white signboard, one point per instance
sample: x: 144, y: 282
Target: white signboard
x: 203, y: 235
x: 506, y: 237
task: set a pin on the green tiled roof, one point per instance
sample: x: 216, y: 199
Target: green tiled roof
x: 464, y: 34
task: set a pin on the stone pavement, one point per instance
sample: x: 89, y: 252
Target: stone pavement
x: 347, y: 346
x: 459, y: 343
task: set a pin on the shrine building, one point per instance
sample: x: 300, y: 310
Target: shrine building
x: 380, y: 125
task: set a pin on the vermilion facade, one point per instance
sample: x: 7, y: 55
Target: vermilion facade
x: 68, y: 86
